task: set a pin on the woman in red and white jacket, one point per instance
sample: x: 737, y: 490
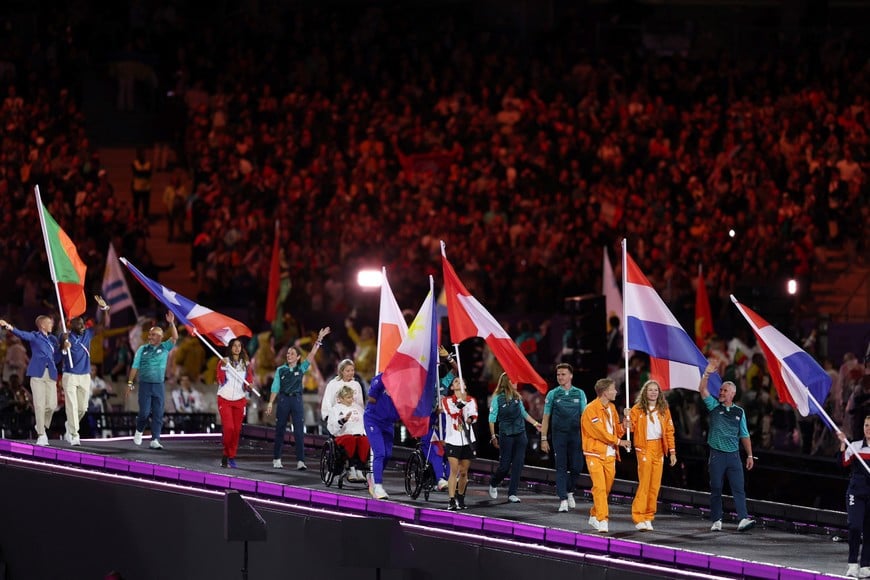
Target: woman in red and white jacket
x: 461, y: 411
x: 232, y: 398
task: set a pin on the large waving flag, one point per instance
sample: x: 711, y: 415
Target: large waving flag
x: 216, y: 327
x: 392, y: 328
x: 675, y: 360
x: 279, y: 287
x: 411, y: 376
x: 67, y: 269
x: 799, y: 380
x: 115, y: 290
x: 468, y: 318
x: 703, y: 315
x: 612, y: 295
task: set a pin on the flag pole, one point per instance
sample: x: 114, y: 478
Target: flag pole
x: 234, y: 372
x: 39, y: 210
x: 378, y: 351
x: 625, y: 334
x: 830, y: 422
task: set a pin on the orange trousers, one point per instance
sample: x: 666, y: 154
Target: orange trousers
x: 650, y: 461
x: 601, y: 472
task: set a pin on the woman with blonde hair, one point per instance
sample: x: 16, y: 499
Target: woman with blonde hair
x: 508, y: 412
x: 653, y: 431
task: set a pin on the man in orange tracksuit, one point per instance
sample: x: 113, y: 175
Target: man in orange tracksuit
x: 601, y: 432
x: 653, y: 431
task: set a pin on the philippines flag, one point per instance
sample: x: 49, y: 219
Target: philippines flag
x: 469, y: 318
x: 411, y: 376
x: 218, y: 328
x: 392, y: 328
x: 675, y: 361
x: 799, y: 380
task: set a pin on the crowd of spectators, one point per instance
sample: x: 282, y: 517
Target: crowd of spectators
x: 371, y: 134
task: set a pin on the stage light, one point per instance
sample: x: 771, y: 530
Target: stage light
x: 792, y: 287
x: 369, y: 279
x: 731, y: 233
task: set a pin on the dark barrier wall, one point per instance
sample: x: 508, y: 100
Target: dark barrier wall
x: 63, y: 527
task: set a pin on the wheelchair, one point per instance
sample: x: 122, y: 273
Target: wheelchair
x: 335, y: 465
x: 419, y: 474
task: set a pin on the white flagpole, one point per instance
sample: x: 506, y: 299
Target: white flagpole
x: 220, y: 358
x: 40, y: 209
x: 625, y: 333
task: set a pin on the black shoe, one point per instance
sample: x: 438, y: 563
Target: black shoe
x: 224, y: 461
x: 460, y: 499
x: 451, y: 505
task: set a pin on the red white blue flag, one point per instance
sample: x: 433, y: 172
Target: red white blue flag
x: 798, y: 378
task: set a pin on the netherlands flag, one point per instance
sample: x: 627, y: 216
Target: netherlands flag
x: 411, y: 376
x: 798, y: 378
x: 392, y: 328
x: 216, y: 327
x: 675, y: 361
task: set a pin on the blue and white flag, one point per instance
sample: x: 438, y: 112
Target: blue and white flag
x: 116, y: 293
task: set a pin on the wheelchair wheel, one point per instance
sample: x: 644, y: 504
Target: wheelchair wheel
x: 327, y: 463
x: 429, y: 482
x: 414, y: 474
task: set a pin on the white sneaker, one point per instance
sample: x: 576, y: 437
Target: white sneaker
x: 300, y: 465
x: 67, y: 437
x: 380, y: 492
x: 442, y: 485
x: 563, y: 505
x: 370, y: 480
x: 276, y: 463
x: 602, y: 527
x: 745, y: 524
x: 75, y: 441
x: 864, y: 572
x: 352, y: 474
x: 649, y: 526
x: 42, y: 440
x: 717, y: 526
x: 514, y: 499
x: 852, y: 571
x: 493, y: 492
x: 155, y: 444
x: 593, y: 521
x: 571, y: 503
x: 641, y: 526
x: 137, y: 437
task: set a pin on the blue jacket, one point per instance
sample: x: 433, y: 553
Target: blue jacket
x: 382, y: 411
x: 80, y: 347
x: 45, y: 353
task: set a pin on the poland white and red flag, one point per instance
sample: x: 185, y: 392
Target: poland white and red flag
x: 794, y: 373
x: 675, y: 361
x: 411, y: 376
x: 468, y: 318
x: 392, y: 328
x: 204, y: 321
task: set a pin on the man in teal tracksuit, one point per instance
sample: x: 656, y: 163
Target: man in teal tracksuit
x: 560, y: 430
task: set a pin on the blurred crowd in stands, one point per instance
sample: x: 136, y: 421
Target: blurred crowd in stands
x: 371, y: 134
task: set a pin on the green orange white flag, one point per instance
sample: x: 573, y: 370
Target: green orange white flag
x: 67, y: 269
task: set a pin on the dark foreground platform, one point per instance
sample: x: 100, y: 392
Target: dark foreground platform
x: 681, y: 545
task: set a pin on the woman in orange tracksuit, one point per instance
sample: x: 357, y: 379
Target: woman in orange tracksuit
x: 653, y: 432
x: 601, y: 431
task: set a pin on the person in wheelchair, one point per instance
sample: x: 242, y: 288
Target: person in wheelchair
x: 346, y: 425
x: 344, y: 378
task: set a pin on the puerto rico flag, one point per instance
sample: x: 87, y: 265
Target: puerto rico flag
x: 198, y: 319
x: 798, y: 378
x: 675, y: 361
x: 411, y: 376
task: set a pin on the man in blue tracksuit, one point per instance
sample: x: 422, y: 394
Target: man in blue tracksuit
x: 379, y: 419
x: 560, y: 429
x: 42, y: 370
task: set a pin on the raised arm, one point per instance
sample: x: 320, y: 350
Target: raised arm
x: 323, y: 332
x: 702, y: 386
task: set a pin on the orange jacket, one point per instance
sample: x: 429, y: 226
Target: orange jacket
x: 639, y: 422
x: 593, y: 428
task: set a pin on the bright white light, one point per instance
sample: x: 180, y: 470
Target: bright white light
x: 731, y: 233
x: 792, y: 287
x: 369, y: 278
